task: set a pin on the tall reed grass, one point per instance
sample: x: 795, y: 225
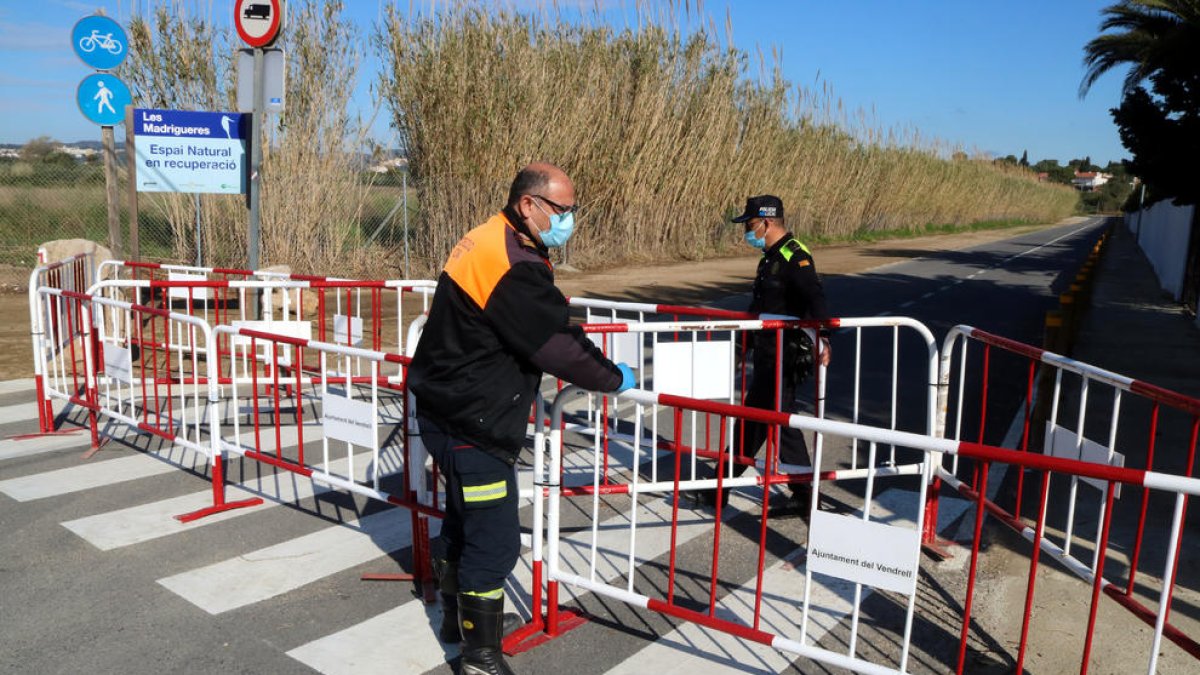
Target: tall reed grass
x: 663, y: 130
x: 313, y: 196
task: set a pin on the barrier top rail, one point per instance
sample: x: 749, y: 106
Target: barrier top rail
x: 137, y: 265
x: 679, y: 310
x: 1154, y: 480
x: 1152, y: 392
x: 293, y: 281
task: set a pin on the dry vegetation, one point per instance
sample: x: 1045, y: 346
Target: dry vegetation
x: 313, y: 196
x: 665, y: 126
x: 664, y: 131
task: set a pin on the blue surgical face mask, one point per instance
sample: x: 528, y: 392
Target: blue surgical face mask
x: 562, y: 225
x: 756, y: 242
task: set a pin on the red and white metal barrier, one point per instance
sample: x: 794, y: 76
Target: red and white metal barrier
x: 363, y: 445
x: 606, y: 558
x: 94, y: 361
x: 697, y: 359
x: 624, y: 433
x: 608, y: 564
x: 74, y: 274
x: 363, y: 314
x: 1077, y: 402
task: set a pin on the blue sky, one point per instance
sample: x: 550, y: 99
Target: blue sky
x: 997, y: 76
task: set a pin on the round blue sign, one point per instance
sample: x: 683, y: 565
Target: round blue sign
x: 102, y: 99
x: 100, y: 42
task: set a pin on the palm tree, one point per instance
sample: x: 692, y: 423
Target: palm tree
x: 1156, y: 36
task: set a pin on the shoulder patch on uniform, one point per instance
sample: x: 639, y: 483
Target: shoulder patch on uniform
x: 790, y: 247
x: 803, y: 263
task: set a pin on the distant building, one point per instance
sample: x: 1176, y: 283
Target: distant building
x: 394, y: 164
x: 1087, y: 181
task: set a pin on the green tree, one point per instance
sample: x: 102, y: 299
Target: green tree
x: 1160, y: 42
x: 1024, y: 158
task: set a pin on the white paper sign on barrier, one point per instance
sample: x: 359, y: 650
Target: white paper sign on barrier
x: 1065, y: 443
x: 694, y: 369
x: 339, y: 329
x: 296, y: 329
x: 875, y: 554
x: 621, y: 347
x: 118, y: 363
x: 348, y: 420
x: 185, y: 293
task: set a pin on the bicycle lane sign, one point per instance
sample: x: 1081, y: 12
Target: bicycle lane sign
x: 100, y: 42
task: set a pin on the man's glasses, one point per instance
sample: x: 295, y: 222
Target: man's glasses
x: 558, y: 208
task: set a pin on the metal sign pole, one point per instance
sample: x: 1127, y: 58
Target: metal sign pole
x: 131, y: 173
x: 255, y: 169
x: 404, y: 178
x: 112, y: 190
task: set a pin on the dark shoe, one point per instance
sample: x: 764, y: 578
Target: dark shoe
x: 795, y: 505
x: 482, y: 623
x: 708, y: 498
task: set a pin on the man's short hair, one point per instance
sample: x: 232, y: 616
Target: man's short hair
x: 529, y: 181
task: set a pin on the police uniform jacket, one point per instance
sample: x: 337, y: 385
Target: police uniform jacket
x: 786, y: 283
x: 497, y: 322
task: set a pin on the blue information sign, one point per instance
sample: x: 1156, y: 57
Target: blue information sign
x: 100, y: 42
x: 102, y: 99
x: 190, y: 151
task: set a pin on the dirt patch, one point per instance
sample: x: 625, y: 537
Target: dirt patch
x: 674, y: 283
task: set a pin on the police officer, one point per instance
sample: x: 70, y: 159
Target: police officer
x: 496, y: 323
x: 786, y: 283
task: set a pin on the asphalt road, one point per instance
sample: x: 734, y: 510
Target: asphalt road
x: 93, y: 577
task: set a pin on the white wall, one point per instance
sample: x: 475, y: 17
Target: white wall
x: 1163, y: 235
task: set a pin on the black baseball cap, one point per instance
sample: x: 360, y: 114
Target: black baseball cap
x: 762, y: 206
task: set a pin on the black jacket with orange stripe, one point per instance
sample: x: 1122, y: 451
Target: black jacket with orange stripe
x: 497, y: 322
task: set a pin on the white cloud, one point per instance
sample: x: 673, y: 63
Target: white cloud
x: 33, y: 36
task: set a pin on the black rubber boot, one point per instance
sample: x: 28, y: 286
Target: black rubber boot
x: 482, y: 623
x: 708, y: 498
x: 446, y: 575
x: 797, y: 505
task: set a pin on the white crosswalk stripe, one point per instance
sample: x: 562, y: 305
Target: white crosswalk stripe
x: 18, y: 412
x: 145, y: 522
x: 369, y: 647
x: 272, y: 571
x: 18, y: 385
x: 14, y: 448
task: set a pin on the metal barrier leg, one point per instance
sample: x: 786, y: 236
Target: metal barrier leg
x: 219, y: 504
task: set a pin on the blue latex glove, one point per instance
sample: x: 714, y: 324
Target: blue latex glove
x: 627, y: 379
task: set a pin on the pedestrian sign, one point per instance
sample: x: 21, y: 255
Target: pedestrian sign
x: 100, y: 42
x: 102, y: 99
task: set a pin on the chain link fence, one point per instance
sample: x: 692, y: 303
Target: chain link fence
x: 63, y: 197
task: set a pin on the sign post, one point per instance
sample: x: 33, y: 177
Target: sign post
x: 258, y: 23
x: 101, y: 43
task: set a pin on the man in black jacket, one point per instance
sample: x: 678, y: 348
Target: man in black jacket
x: 786, y: 283
x: 496, y: 323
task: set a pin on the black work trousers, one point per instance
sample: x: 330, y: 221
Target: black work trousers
x: 481, y: 530
x: 750, y: 436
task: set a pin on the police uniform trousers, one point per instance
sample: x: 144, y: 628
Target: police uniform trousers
x: 749, y: 436
x: 481, y: 530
